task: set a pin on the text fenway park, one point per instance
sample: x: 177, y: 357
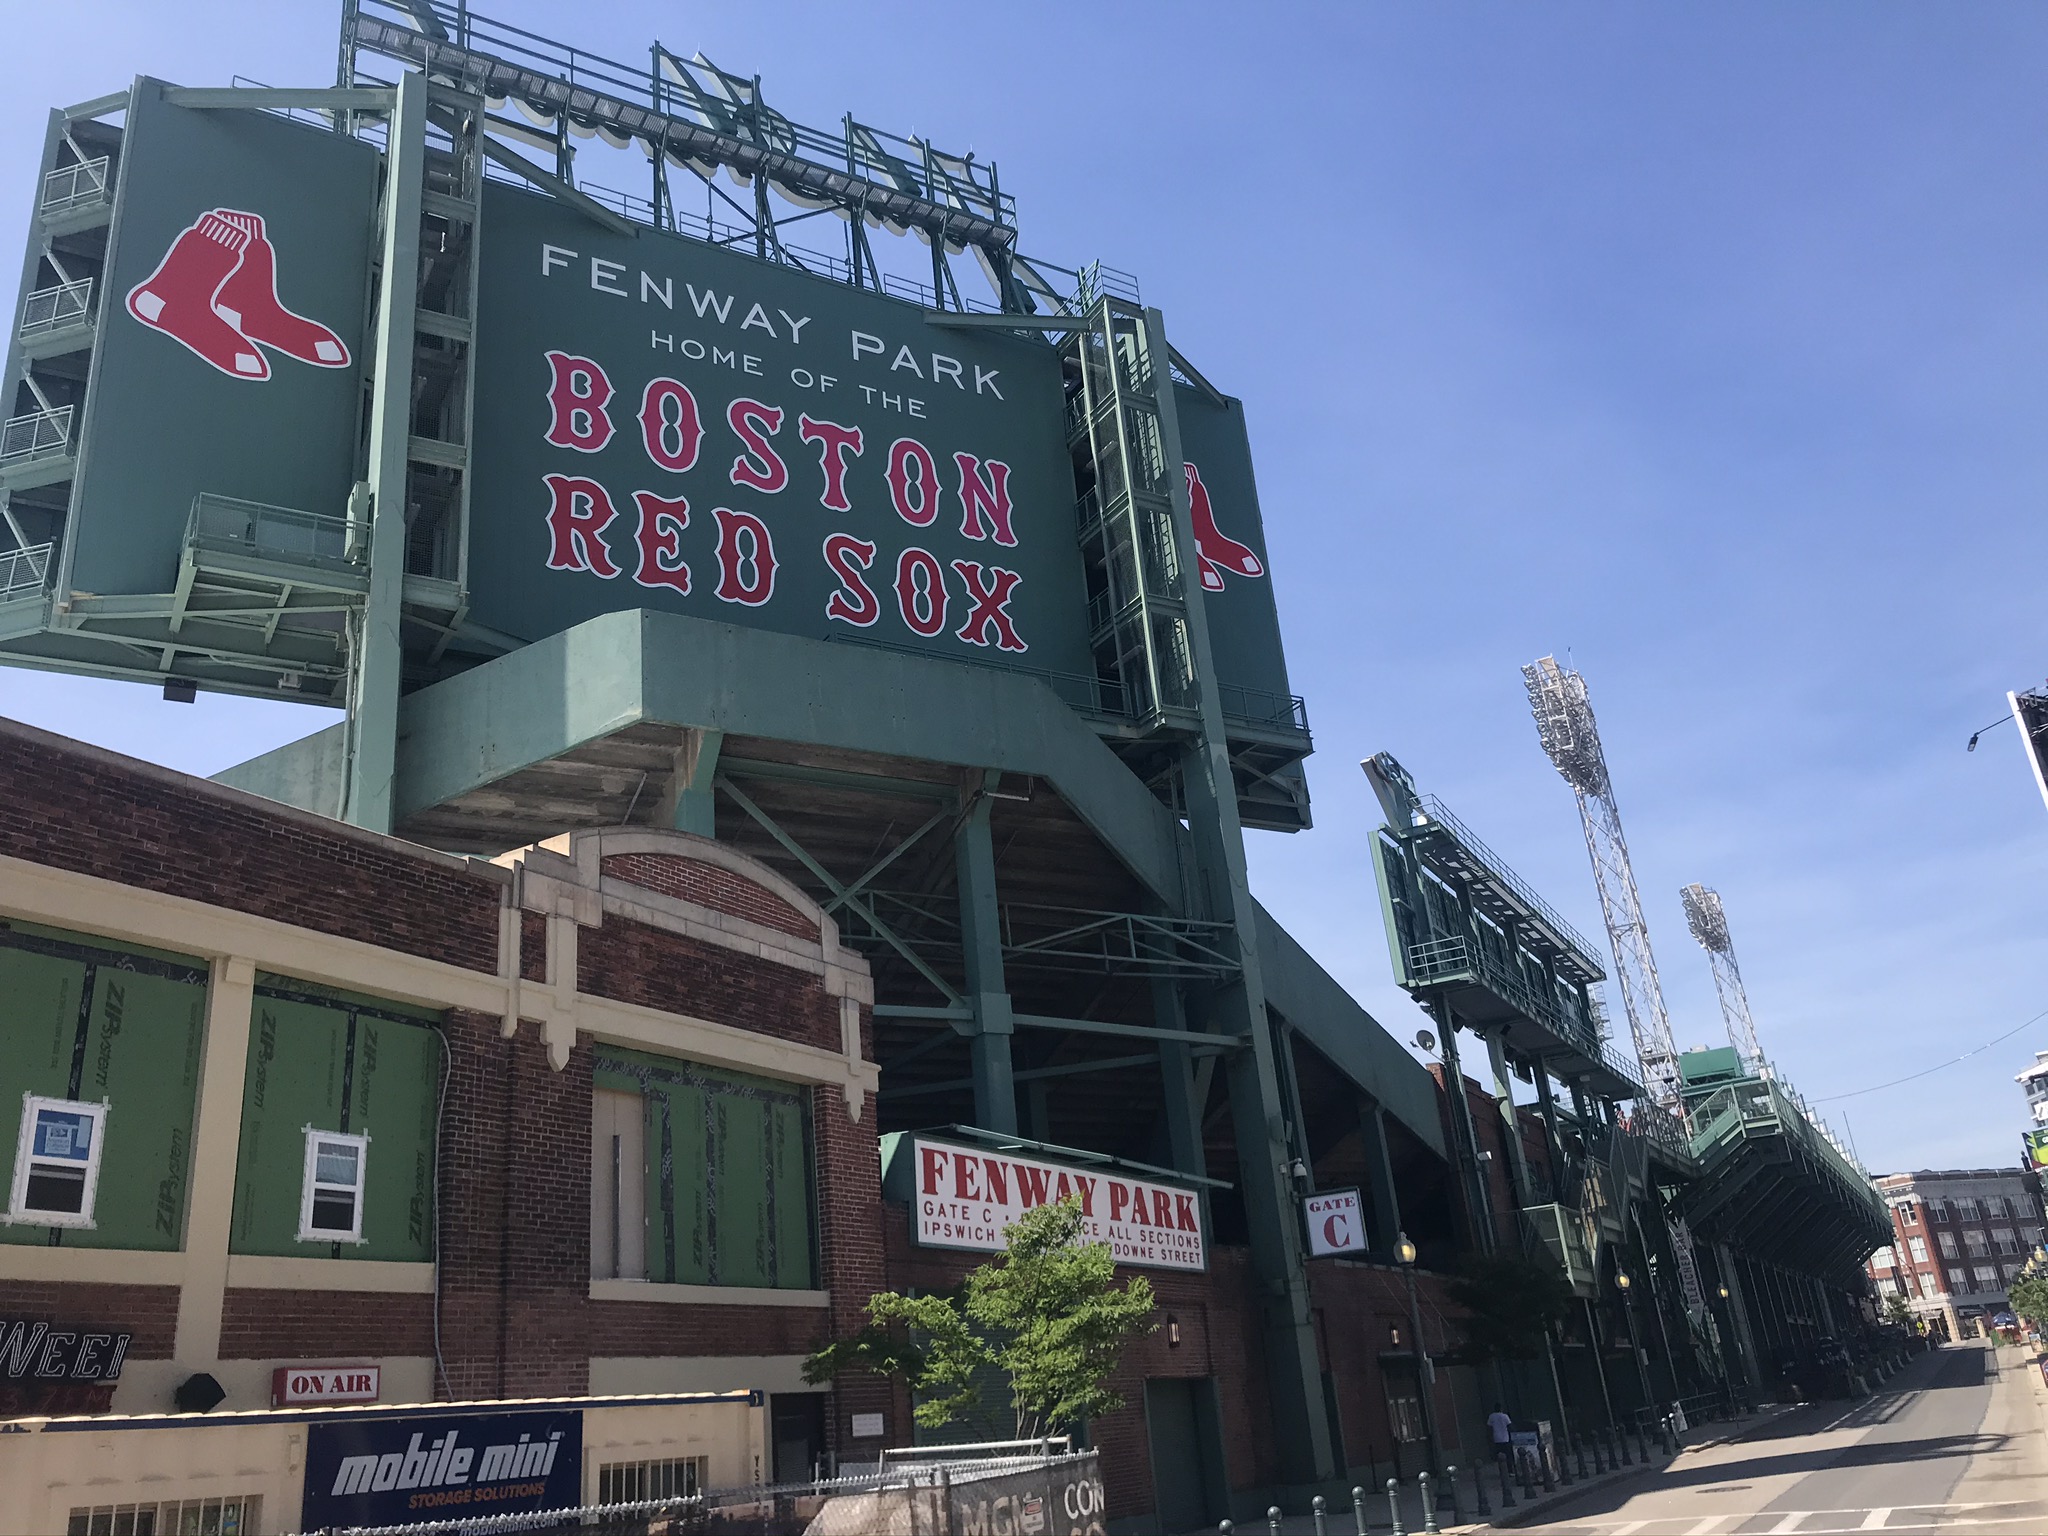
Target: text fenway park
x: 611, y: 532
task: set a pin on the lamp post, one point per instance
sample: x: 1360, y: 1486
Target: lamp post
x: 1425, y: 1372
x: 1628, y: 1311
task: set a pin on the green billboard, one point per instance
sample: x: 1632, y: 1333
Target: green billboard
x: 666, y: 424
x: 228, y: 361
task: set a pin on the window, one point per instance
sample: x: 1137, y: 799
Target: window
x: 57, y: 1162
x: 1966, y: 1210
x: 2031, y: 1236
x: 1927, y: 1286
x: 634, y: 1482
x: 1975, y: 1243
x: 1909, y: 1213
x: 1987, y: 1277
x: 1882, y: 1259
x: 213, y: 1517
x: 1405, y: 1414
x: 1958, y: 1282
x: 1947, y: 1240
x: 1917, y: 1246
x: 331, y: 1198
x: 1937, y: 1210
x: 2004, y: 1240
x: 1886, y: 1286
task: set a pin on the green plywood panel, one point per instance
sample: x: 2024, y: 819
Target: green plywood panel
x: 135, y: 1045
x: 729, y: 1189
x: 337, y: 1063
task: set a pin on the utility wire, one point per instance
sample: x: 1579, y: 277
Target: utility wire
x: 1939, y: 1066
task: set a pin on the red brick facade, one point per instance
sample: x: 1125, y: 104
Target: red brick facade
x: 709, y: 885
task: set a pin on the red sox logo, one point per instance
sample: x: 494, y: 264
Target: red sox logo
x: 1216, y: 551
x: 216, y: 292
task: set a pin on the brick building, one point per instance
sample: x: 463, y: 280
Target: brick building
x: 1959, y: 1237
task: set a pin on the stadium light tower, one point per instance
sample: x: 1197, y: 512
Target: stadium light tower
x: 1564, y: 724
x: 1708, y: 921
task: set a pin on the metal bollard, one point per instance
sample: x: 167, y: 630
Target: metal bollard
x: 1621, y: 1439
x: 1579, y: 1451
x: 1358, y: 1509
x: 1272, y: 1520
x: 1451, y: 1493
x: 1507, y: 1494
x: 1429, y: 1524
x: 1318, y: 1509
x: 1543, y: 1466
x: 1225, y: 1528
x: 1479, y: 1488
x: 1394, y: 1503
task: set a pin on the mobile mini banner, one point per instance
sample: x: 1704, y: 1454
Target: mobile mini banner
x: 967, y: 1197
x: 403, y: 1471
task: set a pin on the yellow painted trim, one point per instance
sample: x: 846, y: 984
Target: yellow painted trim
x: 263, y: 1272
x: 91, y: 1266
x: 705, y: 1295
x: 216, y: 1144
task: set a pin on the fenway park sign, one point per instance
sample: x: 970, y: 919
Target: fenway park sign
x: 966, y: 1197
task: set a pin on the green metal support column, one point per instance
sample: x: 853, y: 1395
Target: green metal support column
x: 1738, y: 1312
x: 1379, y: 1178
x: 1301, y: 1425
x: 375, y: 657
x: 981, y: 942
x: 1474, y: 1189
x: 1177, y: 1076
x: 1546, y: 1102
x: 691, y: 804
x: 1511, y: 1127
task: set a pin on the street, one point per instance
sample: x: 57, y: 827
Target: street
x: 1954, y: 1442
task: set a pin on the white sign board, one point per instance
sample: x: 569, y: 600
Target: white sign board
x: 868, y: 1426
x: 967, y: 1198
x: 1336, y: 1224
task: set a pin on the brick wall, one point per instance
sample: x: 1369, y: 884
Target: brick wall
x: 313, y: 1325
x: 632, y: 962
x: 709, y: 885
x: 77, y: 808
x: 149, y: 1312
x: 851, y: 1223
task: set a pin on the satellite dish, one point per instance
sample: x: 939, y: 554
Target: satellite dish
x: 1424, y: 1040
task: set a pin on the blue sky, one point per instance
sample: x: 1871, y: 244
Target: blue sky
x: 1700, y: 341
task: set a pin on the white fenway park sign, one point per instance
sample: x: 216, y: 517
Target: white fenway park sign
x: 966, y: 1198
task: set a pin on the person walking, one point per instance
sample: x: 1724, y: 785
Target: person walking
x: 1502, y: 1429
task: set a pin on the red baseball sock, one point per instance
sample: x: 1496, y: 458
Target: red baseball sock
x: 1218, y: 549
x: 248, y: 300
x: 177, y: 298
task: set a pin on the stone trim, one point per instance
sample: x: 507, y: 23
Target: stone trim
x: 706, y: 1295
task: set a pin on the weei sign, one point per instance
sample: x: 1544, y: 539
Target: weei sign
x: 677, y: 426
x: 402, y: 1471
x: 966, y: 1197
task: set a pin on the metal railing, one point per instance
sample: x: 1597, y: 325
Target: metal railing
x: 278, y: 533
x: 71, y: 186
x: 1436, y: 812
x: 24, y: 570
x: 36, y: 435
x: 51, y: 309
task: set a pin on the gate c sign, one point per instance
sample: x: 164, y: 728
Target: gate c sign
x: 1336, y: 1224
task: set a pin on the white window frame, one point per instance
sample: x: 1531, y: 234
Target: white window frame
x: 308, y: 1185
x: 19, y: 1212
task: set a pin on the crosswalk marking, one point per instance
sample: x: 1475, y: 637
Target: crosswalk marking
x: 1708, y: 1526
x: 1631, y: 1528
x: 1790, y: 1523
x: 1874, y: 1521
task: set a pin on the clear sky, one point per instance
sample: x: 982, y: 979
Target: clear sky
x: 1700, y: 341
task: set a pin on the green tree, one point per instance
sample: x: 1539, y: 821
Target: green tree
x: 1511, y: 1304
x: 1898, y: 1311
x: 1048, y: 1314
x: 2028, y: 1296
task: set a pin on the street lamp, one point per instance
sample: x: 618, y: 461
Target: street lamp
x: 1628, y: 1311
x: 1425, y: 1372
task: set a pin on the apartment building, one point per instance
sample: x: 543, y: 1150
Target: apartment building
x: 1959, y: 1236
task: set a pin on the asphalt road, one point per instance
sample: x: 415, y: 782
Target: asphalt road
x: 1954, y: 1443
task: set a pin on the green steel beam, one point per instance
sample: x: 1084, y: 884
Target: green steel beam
x: 963, y: 320
x: 957, y: 1013
x: 1194, y: 1042
x: 377, y: 665
x: 588, y: 206
x: 1030, y: 1074
x: 834, y: 778
x: 267, y: 99
x: 691, y: 804
x: 981, y: 945
x: 875, y: 869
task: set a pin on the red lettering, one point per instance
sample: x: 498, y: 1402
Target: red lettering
x: 758, y: 466
x: 662, y: 521
x: 931, y: 1168
x: 743, y: 546
x: 906, y: 454
x: 658, y: 427
x: 965, y: 1172
x: 1119, y: 1197
x: 834, y: 443
x: 578, y: 392
x: 991, y: 606
x: 921, y: 591
x: 1086, y: 1186
x: 996, y: 1173
x: 1162, y: 1208
x: 578, y: 512
x: 855, y: 601
x: 1031, y: 1185
x: 1184, y: 1207
x: 978, y: 497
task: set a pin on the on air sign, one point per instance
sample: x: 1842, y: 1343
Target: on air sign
x: 965, y: 1197
x: 1336, y: 1224
x: 296, y: 1385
